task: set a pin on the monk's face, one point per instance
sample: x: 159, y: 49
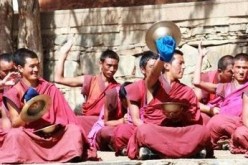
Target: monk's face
x: 109, y: 67
x: 149, y: 65
x: 227, y: 74
x: 176, y: 67
x: 30, y: 71
x: 240, y: 70
x: 6, y: 67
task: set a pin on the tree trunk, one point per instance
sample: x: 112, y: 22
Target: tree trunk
x: 29, y: 34
x: 6, y: 20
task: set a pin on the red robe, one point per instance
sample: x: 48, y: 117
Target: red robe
x: 223, y: 127
x: 100, y: 136
x: 123, y: 132
x: 227, y: 124
x: 185, y: 128
x: 94, y: 91
x: 229, y: 98
x: 59, y: 147
x: 211, y: 77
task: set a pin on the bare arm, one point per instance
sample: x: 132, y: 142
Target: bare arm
x: 15, y: 118
x: 108, y: 122
x: 153, y: 76
x: 207, y: 86
x: 245, y: 110
x: 208, y: 110
x: 197, y: 74
x: 59, y: 69
x: 9, y: 80
x: 134, y: 111
x: 6, y: 124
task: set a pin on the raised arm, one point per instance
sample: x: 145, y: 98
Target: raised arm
x: 197, y: 74
x: 59, y: 69
x: 197, y: 82
x: 165, y: 47
x: 153, y: 76
x: 9, y: 80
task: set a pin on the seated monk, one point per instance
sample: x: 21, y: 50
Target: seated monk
x: 230, y: 103
x: 239, y: 142
x: 8, y: 77
x: 206, y: 82
x: 93, y: 87
x: 123, y: 132
x: 169, y: 136
x: 56, y: 146
x: 113, y: 114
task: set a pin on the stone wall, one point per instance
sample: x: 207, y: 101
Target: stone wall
x: 222, y: 24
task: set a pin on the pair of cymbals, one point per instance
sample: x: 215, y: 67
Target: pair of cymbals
x: 162, y: 29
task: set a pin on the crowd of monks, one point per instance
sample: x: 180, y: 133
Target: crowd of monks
x: 126, y: 118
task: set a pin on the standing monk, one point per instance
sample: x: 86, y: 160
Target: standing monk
x: 168, y: 134
x: 57, y: 146
x: 93, y: 87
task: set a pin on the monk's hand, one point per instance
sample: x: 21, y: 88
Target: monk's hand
x: 202, y: 51
x: 11, y: 78
x: 214, y: 110
x: 66, y: 47
x: 165, y: 47
x: 125, y: 118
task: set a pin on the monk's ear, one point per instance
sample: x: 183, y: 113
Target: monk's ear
x: 19, y: 68
x: 166, y: 65
x: 143, y: 71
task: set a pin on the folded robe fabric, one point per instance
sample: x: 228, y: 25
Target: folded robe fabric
x: 165, y: 47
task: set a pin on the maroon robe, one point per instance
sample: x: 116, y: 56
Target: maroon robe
x: 239, y: 141
x: 59, y: 147
x: 222, y: 127
x: 100, y: 135
x: 211, y: 77
x: 155, y: 120
x: 94, y: 90
x: 123, y: 132
x: 224, y: 124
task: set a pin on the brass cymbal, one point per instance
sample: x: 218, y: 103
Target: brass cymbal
x: 35, y: 108
x: 161, y: 29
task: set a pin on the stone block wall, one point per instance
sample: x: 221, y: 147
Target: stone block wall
x: 221, y: 24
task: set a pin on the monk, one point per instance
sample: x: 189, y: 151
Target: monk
x: 56, y: 146
x: 124, y: 131
x: 230, y: 103
x: 239, y: 142
x: 8, y: 74
x: 206, y: 82
x: 93, y: 87
x: 169, y: 135
x: 113, y: 113
x: 8, y: 77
